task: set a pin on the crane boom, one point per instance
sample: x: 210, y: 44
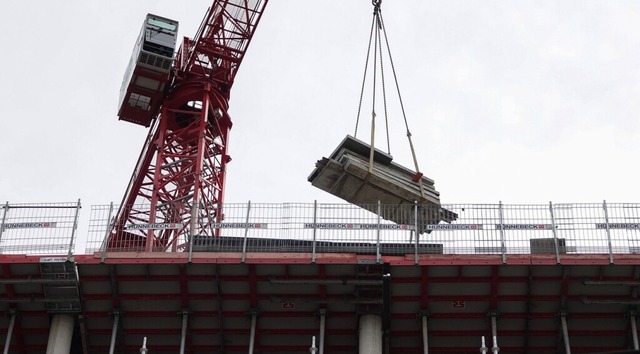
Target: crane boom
x: 218, y: 48
x: 177, y: 188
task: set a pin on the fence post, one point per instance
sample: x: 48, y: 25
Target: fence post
x: 105, y: 241
x: 415, y: 230
x: 246, y: 233
x: 315, y: 221
x: 73, y: 231
x: 606, y: 219
x: 4, y: 217
x: 194, y: 225
x: 503, y: 249
x: 555, y: 234
x: 194, y: 216
x: 192, y: 236
x: 378, y: 257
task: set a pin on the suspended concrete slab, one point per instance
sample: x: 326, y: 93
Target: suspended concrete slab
x: 346, y: 174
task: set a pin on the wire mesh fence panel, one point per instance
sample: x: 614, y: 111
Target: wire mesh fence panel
x: 245, y: 228
x: 567, y: 224
x: 295, y: 236
x: 38, y: 229
x: 333, y: 228
x: 527, y: 228
x: 391, y: 229
x: 358, y: 229
x: 279, y: 232
x: 99, y: 227
x: 623, y: 227
x: 135, y: 233
x: 470, y: 233
x: 577, y: 228
x: 141, y: 232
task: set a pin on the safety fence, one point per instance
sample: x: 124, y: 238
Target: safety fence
x: 39, y: 228
x: 592, y: 228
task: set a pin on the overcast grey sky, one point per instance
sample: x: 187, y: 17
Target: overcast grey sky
x: 513, y: 101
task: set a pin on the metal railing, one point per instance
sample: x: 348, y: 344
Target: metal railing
x: 314, y: 228
x: 39, y: 228
x: 595, y: 228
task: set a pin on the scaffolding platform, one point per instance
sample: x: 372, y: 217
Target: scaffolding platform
x: 346, y: 174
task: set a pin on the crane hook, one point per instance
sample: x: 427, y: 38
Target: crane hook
x: 376, y: 5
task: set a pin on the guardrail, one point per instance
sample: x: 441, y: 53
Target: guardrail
x: 39, y: 228
x: 345, y: 228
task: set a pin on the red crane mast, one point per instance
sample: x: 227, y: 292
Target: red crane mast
x: 177, y: 188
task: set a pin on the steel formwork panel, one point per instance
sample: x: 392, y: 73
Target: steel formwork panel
x: 458, y: 298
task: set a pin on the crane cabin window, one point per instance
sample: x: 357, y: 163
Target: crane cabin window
x: 162, y: 24
x: 159, y: 36
x: 139, y: 101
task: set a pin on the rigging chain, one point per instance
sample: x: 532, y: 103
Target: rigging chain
x: 376, y: 38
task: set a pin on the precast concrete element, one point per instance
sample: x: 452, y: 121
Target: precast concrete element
x: 60, y: 334
x: 370, y: 335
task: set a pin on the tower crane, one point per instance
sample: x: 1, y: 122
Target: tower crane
x: 177, y: 187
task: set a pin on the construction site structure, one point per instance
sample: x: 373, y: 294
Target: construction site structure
x: 179, y: 181
x: 548, y: 278
x: 173, y: 268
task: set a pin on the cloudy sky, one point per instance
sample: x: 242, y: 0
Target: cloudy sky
x: 513, y: 101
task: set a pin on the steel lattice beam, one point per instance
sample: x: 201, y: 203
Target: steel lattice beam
x: 177, y: 189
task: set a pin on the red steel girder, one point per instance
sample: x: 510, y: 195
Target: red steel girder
x: 330, y: 297
x: 396, y: 280
x: 183, y: 185
x: 350, y: 315
x: 219, y: 47
x: 232, y: 348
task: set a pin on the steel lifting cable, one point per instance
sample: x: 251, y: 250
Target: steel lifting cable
x: 376, y: 38
x: 404, y: 115
x: 366, y: 68
x: 384, y: 90
x: 376, y: 14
